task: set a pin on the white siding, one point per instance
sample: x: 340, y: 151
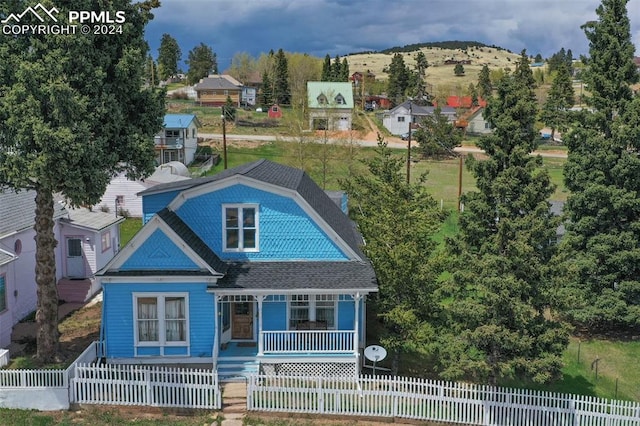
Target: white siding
x: 121, y: 186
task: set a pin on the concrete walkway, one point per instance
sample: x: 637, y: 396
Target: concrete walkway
x: 234, y: 403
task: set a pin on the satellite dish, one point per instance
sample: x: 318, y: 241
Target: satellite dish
x: 178, y: 146
x: 375, y: 353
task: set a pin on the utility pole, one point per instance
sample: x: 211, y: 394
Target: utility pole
x: 409, y: 145
x: 460, y: 183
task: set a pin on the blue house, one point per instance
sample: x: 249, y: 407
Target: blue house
x: 253, y: 268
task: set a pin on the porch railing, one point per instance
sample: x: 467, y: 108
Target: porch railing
x: 167, y: 142
x: 316, y: 341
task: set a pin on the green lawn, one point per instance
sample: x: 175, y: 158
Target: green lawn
x: 128, y: 229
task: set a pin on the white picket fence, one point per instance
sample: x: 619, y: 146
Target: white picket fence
x: 429, y: 400
x: 148, y: 385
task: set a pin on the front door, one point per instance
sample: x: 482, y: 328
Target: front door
x: 242, y: 320
x: 75, y: 259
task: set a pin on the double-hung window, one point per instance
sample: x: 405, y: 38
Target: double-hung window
x: 240, y: 223
x: 161, y: 320
x: 320, y: 308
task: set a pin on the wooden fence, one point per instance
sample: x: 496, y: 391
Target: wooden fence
x: 155, y: 386
x: 429, y: 400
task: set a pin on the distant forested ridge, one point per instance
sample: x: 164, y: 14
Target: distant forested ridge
x: 452, y: 45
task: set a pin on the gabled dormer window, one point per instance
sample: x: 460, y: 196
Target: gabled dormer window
x: 240, y: 227
x: 340, y: 100
x: 322, y: 99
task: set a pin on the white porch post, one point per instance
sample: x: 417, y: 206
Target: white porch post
x: 216, y: 330
x: 356, y: 332
x: 260, y: 299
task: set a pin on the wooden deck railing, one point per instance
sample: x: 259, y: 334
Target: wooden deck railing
x: 306, y: 341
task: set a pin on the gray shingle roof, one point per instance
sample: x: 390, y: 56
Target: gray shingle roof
x: 215, y: 83
x: 285, y: 177
x: 193, y: 240
x: 300, y: 276
x: 93, y: 220
x: 18, y: 210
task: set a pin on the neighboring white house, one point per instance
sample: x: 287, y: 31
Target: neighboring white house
x: 121, y: 195
x: 249, y: 95
x: 330, y: 105
x: 397, y: 120
x: 178, y: 140
x: 477, y: 124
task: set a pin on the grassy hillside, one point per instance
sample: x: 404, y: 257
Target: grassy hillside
x: 439, y: 75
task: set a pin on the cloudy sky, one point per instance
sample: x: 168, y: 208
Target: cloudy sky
x: 339, y: 27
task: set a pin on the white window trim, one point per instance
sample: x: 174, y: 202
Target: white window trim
x: 240, y: 248
x: 312, y: 309
x: 162, y: 343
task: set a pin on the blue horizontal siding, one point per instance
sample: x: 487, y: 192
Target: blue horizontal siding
x: 286, y: 232
x: 274, y: 316
x: 159, y: 252
x: 118, y: 318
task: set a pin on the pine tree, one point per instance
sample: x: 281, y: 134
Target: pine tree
x: 326, y: 69
x: 282, y: 93
x: 73, y: 113
x: 555, y: 110
x: 202, y: 62
x: 420, y: 90
x: 485, y: 87
x: 398, y: 81
x: 458, y: 70
x: 266, y: 95
x: 169, y: 55
x: 344, y: 70
x: 599, y: 269
x: 398, y: 221
x: 496, y: 325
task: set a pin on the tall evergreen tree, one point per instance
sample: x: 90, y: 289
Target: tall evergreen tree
x: 336, y: 69
x: 326, y: 69
x: 420, y: 90
x: 555, y: 110
x: 266, y: 94
x: 74, y: 111
x: 398, y: 221
x: 169, y: 55
x: 485, y: 87
x: 344, y: 70
x: 600, y: 262
x: 282, y: 93
x: 202, y: 62
x: 496, y: 325
x: 398, y: 81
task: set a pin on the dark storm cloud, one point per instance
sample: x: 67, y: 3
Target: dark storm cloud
x: 338, y: 27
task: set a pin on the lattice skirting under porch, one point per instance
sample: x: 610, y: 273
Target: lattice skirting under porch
x: 326, y: 369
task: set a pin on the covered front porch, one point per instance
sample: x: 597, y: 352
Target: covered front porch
x: 262, y: 331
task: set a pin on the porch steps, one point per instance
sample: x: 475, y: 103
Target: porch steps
x: 74, y: 291
x: 236, y: 370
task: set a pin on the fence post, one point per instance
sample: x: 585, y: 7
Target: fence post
x: 321, y: 407
x: 147, y: 379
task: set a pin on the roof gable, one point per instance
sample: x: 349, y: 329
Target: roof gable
x: 276, y: 177
x: 166, y: 244
x: 328, y: 94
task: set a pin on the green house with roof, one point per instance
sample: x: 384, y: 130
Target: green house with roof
x: 330, y: 105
